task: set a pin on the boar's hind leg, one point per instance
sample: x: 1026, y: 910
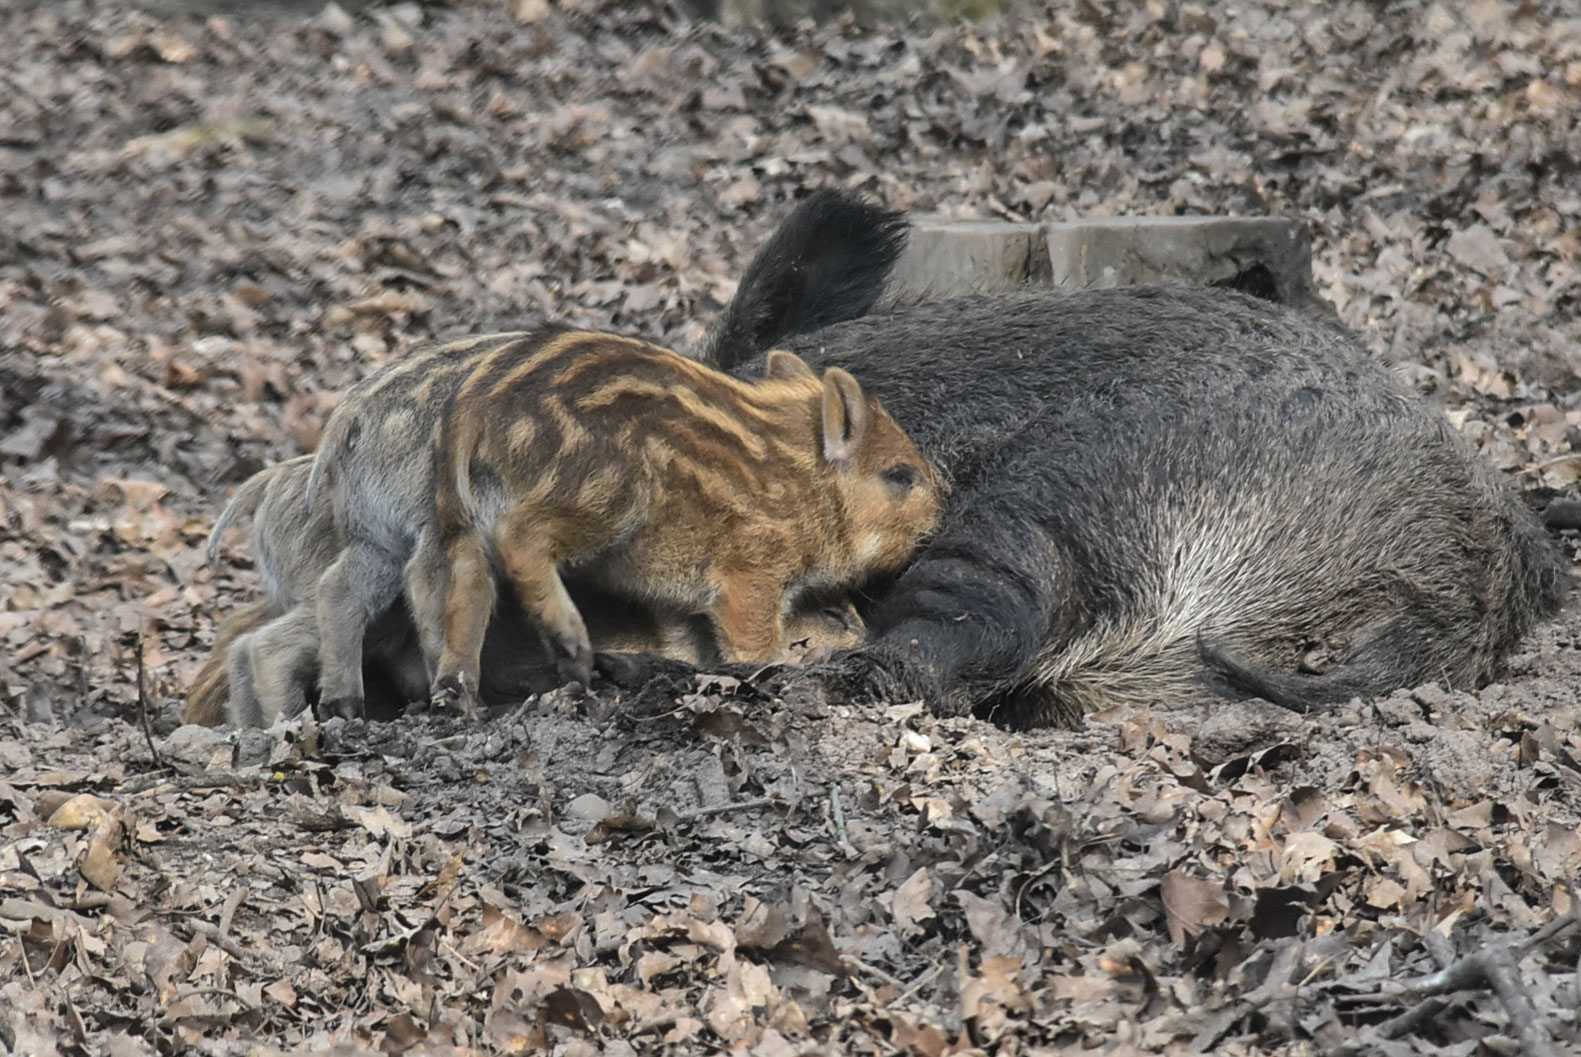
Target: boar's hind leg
x: 355, y: 589
x: 1389, y: 659
x: 241, y: 704
x: 969, y: 617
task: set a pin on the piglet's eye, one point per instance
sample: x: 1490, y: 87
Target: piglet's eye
x: 901, y: 476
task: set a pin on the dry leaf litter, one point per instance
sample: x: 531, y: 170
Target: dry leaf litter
x: 213, y: 226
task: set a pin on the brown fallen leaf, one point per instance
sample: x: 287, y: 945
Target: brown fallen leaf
x: 909, y: 904
x: 1191, y: 905
x: 81, y: 811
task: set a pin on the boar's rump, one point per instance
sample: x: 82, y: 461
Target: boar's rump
x: 1156, y: 491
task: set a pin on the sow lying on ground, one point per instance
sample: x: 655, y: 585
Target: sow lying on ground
x: 1161, y: 489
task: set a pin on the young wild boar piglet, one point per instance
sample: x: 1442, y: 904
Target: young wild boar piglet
x: 270, y: 646
x: 265, y: 657
x: 374, y: 476
x: 663, y: 479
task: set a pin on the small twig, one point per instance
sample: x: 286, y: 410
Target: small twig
x: 76, y: 1016
x: 199, y: 992
x: 1555, y: 928
x: 1323, y: 963
x: 142, y: 704
x: 1505, y: 976
x: 1577, y: 981
x: 28, y: 966
x: 654, y: 717
x: 725, y: 809
x: 875, y: 972
x: 205, y: 780
x: 837, y: 812
x: 917, y: 984
x: 1557, y: 460
x: 212, y: 933
x: 1410, y: 1020
x: 82, y: 667
x: 458, y: 956
x: 657, y: 1023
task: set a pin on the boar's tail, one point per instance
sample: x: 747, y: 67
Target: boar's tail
x: 825, y: 263
x: 1373, y: 669
x: 210, y: 688
x: 242, y: 504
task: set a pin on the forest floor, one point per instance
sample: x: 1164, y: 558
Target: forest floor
x: 212, y: 227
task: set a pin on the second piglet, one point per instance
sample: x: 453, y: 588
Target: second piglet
x: 665, y: 480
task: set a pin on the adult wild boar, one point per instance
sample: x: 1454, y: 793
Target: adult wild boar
x: 1157, y: 490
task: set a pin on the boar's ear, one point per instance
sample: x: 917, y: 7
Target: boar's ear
x: 844, y: 416
x: 784, y: 364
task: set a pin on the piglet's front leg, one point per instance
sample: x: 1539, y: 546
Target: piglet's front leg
x: 531, y: 546
x: 747, y: 617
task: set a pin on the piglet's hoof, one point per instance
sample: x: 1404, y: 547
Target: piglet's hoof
x: 450, y: 694
x: 634, y: 671
x: 575, y: 669
x: 342, y: 708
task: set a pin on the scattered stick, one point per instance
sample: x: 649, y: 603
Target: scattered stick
x: 1505, y: 976
x: 837, y: 811
x: 1495, y: 968
x: 229, y: 946
x: 917, y: 984
x: 206, y: 780
x: 875, y: 972
x: 142, y: 704
x: 1402, y: 1024
x: 725, y: 809
x: 224, y: 992
x: 1555, y: 928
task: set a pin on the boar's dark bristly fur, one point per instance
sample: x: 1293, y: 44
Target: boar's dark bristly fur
x: 827, y: 262
x: 1161, y: 489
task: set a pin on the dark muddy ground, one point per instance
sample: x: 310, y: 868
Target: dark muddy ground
x: 213, y: 227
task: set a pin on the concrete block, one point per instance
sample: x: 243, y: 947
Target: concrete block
x: 1270, y: 257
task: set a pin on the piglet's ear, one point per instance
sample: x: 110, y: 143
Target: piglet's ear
x: 844, y: 416
x: 784, y: 364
